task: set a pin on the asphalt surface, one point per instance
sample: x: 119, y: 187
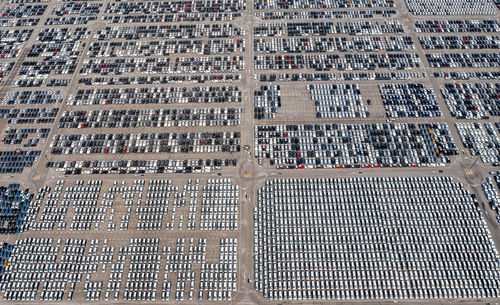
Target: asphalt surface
x: 248, y: 174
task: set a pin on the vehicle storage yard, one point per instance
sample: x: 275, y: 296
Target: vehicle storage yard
x: 249, y: 152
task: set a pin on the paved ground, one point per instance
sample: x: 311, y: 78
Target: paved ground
x: 297, y: 109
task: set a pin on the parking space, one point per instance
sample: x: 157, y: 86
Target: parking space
x: 491, y: 188
x: 371, y: 238
x: 267, y: 101
x: 345, y: 76
x: 21, y: 10
x: 13, y: 207
x: 324, y: 14
x: 467, y: 75
x: 89, y: 49
x: 135, y: 269
x: 472, y: 100
x: 454, y: 7
x: 157, y: 95
x: 328, y: 4
x: 129, y: 129
x: 137, y: 118
x: 457, y: 26
x: 18, y: 123
x: 333, y: 44
x: 338, y: 101
x: 131, y: 166
x: 5, y: 69
x: 5, y: 253
x: 33, y: 97
x: 455, y: 42
x: 119, y: 266
x: 409, y: 100
x: 145, y: 143
x: 481, y: 140
x: 362, y: 145
x: 14, y: 161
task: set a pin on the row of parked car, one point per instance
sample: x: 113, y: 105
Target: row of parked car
x: 457, y: 42
x: 69, y: 20
x: 156, y: 95
x: 345, y: 76
x: 161, y: 79
x: 354, y: 145
x: 23, y: 274
x: 497, y: 3
x: 481, y: 140
x: 450, y: 7
x: 472, y: 100
x: 162, y: 65
x: 323, y: 28
x: 14, y: 204
x: 15, y: 35
x: 463, y: 60
x: 324, y: 14
x: 22, y: 10
x: 158, y: 166
x: 182, y: 31
x: 333, y: 44
x: 117, y: 143
x: 353, y: 238
x: 409, y: 100
x: 141, y: 251
x: 466, y: 75
x: 457, y: 26
x: 20, y: 115
x: 219, y: 208
x: 46, y: 49
x: 217, y: 280
x: 159, y: 7
x: 266, y: 102
x: 24, y: 278
x: 16, y: 136
x: 165, y: 48
x: 59, y: 42
x: 14, y: 161
x: 5, y: 253
x: 125, y: 118
x: 10, y: 49
x: 174, y: 17
x: 491, y: 188
x: 350, y: 62
x: 61, y: 35
x: 328, y: 4
x: 82, y: 8
x: 42, y: 68
x: 20, y: 22
x: 5, y: 69
x: 338, y: 101
x: 58, y: 82
x: 37, y: 97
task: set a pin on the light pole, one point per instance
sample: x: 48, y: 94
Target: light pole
x: 23, y: 158
x: 469, y: 170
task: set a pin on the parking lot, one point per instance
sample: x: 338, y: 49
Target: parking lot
x: 203, y: 266
x: 249, y: 152
x: 343, y: 246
